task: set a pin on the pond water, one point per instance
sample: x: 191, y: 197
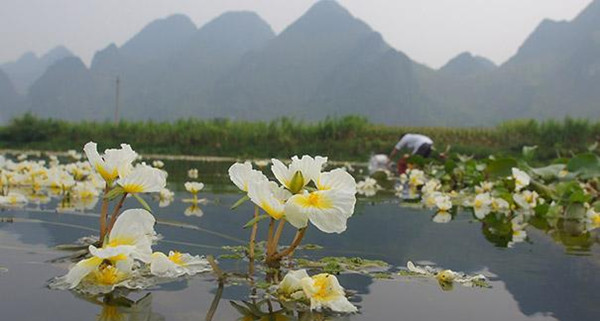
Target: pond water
x: 550, y: 277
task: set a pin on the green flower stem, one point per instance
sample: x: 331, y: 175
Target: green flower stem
x: 270, y: 237
x: 252, y: 244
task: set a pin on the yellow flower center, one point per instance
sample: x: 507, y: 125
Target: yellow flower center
x: 323, y: 286
x: 108, y: 275
x: 529, y: 198
x: 108, y: 176
x: 316, y: 200
x: 177, y: 258
x: 86, y: 194
x: 478, y: 203
x: 133, y: 188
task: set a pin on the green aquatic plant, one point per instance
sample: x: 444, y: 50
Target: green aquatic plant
x: 506, y: 193
x: 446, y: 278
x: 337, y: 265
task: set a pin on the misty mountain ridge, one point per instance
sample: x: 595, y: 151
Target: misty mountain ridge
x: 29, y: 67
x: 327, y: 63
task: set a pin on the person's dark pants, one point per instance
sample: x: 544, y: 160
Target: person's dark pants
x: 424, y: 150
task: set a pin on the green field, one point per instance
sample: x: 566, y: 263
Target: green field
x: 347, y: 138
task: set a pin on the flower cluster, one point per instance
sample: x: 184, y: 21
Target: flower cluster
x: 302, y: 193
x: 37, y: 182
x: 320, y: 292
x: 126, y: 259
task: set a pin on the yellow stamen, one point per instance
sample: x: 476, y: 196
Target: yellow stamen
x: 177, y: 258
x: 315, y: 200
x: 323, y: 286
x: 108, y: 275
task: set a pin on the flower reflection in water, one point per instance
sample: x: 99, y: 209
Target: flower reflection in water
x: 117, y: 306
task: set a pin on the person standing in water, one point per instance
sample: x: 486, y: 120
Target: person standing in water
x: 418, y: 145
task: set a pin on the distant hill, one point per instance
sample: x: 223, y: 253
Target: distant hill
x: 9, y: 98
x: 67, y: 84
x: 467, y: 65
x: 327, y: 63
x: 555, y: 73
x: 29, y: 67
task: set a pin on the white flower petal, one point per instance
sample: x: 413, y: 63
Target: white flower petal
x: 81, y: 270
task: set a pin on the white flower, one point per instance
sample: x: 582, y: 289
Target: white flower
x: 13, y: 199
x: 74, y: 154
x: 261, y: 162
x: 113, y: 264
x: 518, y: 230
x: 368, y: 187
x: 484, y: 187
x: 109, y: 272
x: 442, y: 217
x: 328, y: 210
x: 337, y: 179
x: 443, y: 203
x: 431, y: 186
x: 269, y: 196
x: 308, y: 168
x: 143, y: 179
x: 429, y: 200
x: 83, y: 190
x: 165, y: 197
x: 241, y: 174
x: 114, y: 162
x: 399, y: 190
x: 403, y: 178
x: 193, y: 210
x: 499, y: 205
x: 526, y: 199
x: 291, y: 286
x: 325, y: 292
x: 482, y: 205
x: 177, y: 264
x: 416, y: 177
x: 521, y: 179
x: 158, y: 164
x: 193, y: 187
x: 135, y: 229
x: 58, y: 180
x: 193, y: 173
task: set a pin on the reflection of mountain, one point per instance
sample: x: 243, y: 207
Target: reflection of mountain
x: 326, y: 63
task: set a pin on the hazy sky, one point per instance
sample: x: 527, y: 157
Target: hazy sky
x: 429, y: 31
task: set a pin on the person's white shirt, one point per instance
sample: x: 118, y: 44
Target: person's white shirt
x: 413, y: 141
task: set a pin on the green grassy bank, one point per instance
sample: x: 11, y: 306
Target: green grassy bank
x: 348, y: 138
